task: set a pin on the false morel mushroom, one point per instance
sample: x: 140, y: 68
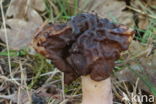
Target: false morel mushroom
x: 86, y: 46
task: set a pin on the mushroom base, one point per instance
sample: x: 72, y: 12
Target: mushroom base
x: 96, y: 92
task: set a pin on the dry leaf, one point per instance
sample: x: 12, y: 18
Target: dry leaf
x: 39, y: 5
x: 25, y: 21
x: 112, y: 9
x: 19, y: 8
x: 20, y: 33
x: 34, y: 17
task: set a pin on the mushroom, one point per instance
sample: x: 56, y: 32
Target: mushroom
x: 86, y: 46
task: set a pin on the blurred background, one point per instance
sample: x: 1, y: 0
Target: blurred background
x: 28, y: 78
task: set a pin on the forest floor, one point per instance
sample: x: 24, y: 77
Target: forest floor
x: 28, y: 78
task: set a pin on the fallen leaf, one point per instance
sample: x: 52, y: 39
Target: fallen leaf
x: 24, y: 22
x: 38, y: 5
x: 19, y: 8
x: 20, y: 33
x: 112, y: 9
x: 34, y: 17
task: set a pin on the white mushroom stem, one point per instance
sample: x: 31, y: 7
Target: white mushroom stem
x: 96, y: 92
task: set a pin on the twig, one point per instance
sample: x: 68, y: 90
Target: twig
x: 141, y: 12
x: 49, y: 73
x: 6, y: 39
x: 1, y: 70
x: 10, y: 80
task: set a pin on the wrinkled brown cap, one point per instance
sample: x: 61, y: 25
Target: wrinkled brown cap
x: 85, y: 45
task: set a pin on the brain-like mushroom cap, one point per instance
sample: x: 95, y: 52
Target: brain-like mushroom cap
x: 85, y: 45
